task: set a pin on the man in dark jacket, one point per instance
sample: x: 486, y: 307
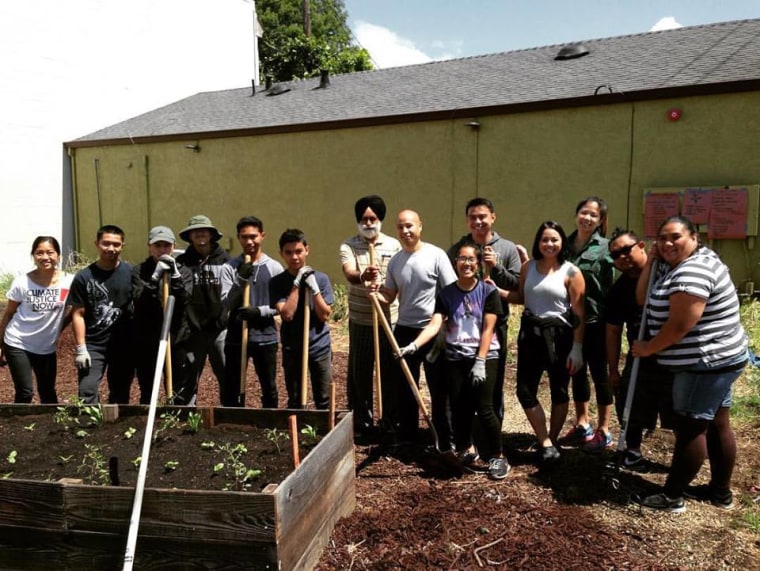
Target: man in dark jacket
x: 205, y: 312
x: 147, y: 281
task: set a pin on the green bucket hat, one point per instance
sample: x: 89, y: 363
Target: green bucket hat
x: 198, y: 222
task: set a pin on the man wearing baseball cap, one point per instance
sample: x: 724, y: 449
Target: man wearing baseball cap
x: 206, y: 317
x: 147, y: 280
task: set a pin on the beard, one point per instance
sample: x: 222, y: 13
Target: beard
x: 369, y: 232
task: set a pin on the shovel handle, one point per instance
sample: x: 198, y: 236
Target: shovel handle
x: 376, y: 344
x: 305, y: 343
x: 168, y: 363
x: 244, y: 332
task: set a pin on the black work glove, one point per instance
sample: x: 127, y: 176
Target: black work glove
x: 248, y: 313
x: 245, y: 270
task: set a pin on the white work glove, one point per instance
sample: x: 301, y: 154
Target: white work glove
x: 478, y: 372
x: 169, y: 264
x: 158, y: 272
x: 82, y: 359
x: 302, y: 274
x: 407, y: 350
x: 575, y: 358
x: 311, y: 283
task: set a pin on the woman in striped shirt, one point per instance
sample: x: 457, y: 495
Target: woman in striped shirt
x: 694, y: 329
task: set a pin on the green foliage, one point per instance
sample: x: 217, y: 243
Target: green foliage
x: 78, y: 414
x: 275, y: 436
x: 94, y: 467
x: 166, y: 421
x: 239, y: 476
x: 310, y: 433
x: 12, y: 457
x: 5, y: 284
x: 130, y: 432
x: 288, y: 53
x: 171, y: 465
x: 340, y: 307
x: 194, y: 422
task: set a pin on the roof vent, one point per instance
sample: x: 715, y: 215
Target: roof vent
x: 324, y: 78
x: 277, y: 89
x: 572, y: 52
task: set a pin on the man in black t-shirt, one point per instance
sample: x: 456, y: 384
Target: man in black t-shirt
x: 101, y: 298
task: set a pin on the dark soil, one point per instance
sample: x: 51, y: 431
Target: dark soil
x: 569, y: 518
x: 46, y: 449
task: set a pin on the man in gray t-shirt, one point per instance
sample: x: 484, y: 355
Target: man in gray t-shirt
x: 415, y: 275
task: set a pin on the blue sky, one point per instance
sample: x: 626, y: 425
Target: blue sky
x: 401, y: 32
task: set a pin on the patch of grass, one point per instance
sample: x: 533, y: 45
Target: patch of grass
x: 340, y: 307
x: 5, y: 284
x: 751, y: 518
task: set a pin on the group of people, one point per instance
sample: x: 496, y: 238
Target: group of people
x: 449, y: 312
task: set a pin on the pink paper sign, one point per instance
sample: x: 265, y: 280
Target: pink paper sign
x: 696, y: 205
x: 658, y: 207
x: 728, y: 214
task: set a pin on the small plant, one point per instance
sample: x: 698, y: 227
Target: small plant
x: 30, y: 427
x: 239, y: 475
x: 130, y: 432
x: 63, y: 460
x: 194, y: 422
x: 167, y: 421
x: 136, y: 462
x: 77, y: 413
x: 275, y: 436
x: 94, y: 466
x: 340, y: 305
x: 310, y: 433
x: 12, y: 457
x: 81, y: 433
x: 171, y: 465
x: 208, y: 445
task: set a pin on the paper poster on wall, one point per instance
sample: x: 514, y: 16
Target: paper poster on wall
x: 658, y: 207
x: 696, y: 204
x: 728, y: 214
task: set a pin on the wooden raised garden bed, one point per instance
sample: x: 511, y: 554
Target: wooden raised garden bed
x: 65, y: 525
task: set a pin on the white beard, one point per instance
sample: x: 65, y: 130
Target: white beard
x: 369, y: 232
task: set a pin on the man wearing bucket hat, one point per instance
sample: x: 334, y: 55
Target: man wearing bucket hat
x: 147, y: 278
x: 206, y: 317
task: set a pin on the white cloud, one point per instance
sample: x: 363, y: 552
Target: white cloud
x: 386, y: 47
x: 665, y: 23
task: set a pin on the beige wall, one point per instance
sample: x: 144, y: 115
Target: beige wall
x: 534, y: 166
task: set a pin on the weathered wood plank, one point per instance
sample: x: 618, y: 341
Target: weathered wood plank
x: 31, y: 503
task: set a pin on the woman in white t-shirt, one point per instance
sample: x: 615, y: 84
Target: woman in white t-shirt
x: 33, y: 320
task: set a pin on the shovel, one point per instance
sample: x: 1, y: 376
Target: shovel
x: 612, y: 469
x: 305, y: 343
x: 376, y: 340
x: 445, y: 460
x: 168, y: 367
x: 244, y: 338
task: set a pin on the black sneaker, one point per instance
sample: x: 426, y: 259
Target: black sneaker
x: 498, y: 468
x: 663, y: 503
x: 632, y: 458
x: 706, y: 493
x: 549, y: 454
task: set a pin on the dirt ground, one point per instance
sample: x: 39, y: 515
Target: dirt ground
x: 568, y: 518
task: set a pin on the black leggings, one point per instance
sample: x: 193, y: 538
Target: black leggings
x: 21, y: 364
x: 595, y: 361
x: 533, y: 359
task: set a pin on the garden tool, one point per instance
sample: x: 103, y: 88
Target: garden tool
x: 612, y: 469
x: 168, y: 367
x: 244, y: 338
x: 446, y: 460
x: 305, y: 343
x: 376, y: 339
x: 134, y: 521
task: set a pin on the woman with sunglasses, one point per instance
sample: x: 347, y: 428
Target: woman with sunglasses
x: 551, y: 333
x: 589, y: 252
x: 694, y: 327
x: 468, y: 308
x: 32, y: 323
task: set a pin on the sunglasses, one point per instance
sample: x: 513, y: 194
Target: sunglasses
x: 624, y: 251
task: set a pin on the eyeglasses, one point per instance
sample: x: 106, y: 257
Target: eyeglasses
x: 624, y: 251
x: 467, y: 260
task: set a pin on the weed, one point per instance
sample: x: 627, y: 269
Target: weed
x: 12, y: 457
x: 340, y: 306
x: 752, y: 520
x: 234, y: 469
x: 310, y: 433
x: 275, y: 436
x: 194, y: 422
x: 94, y: 466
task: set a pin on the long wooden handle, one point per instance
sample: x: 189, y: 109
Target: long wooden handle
x: 376, y: 339
x: 305, y: 348
x: 244, y: 332
x: 168, y: 363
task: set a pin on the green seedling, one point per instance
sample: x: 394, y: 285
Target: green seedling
x: 12, y: 457
x: 208, y: 445
x: 171, y: 465
x: 63, y: 460
x: 94, y: 466
x: 77, y: 413
x: 7, y: 475
x: 81, y: 433
x: 130, y: 432
x: 275, y: 436
x: 30, y: 427
x: 194, y: 422
x: 136, y: 462
x: 166, y: 422
x: 310, y: 433
x: 239, y: 476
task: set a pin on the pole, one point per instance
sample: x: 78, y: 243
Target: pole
x: 244, y: 337
x: 256, y: 72
x: 305, y: 342
x: 168, y: 364
x: 376, y: 339
x: 134, y: 521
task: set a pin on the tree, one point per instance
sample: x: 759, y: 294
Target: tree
x: 287, y: 52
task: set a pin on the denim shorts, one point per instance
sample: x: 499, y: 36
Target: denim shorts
x: 699, y: 394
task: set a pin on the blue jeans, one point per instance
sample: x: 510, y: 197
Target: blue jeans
x: 699, y: 393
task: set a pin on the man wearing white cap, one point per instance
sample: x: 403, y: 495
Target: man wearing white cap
x: 206, y: 321
x: 148, y: 316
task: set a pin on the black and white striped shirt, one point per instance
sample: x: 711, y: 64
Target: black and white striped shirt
x: 718, y: 337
